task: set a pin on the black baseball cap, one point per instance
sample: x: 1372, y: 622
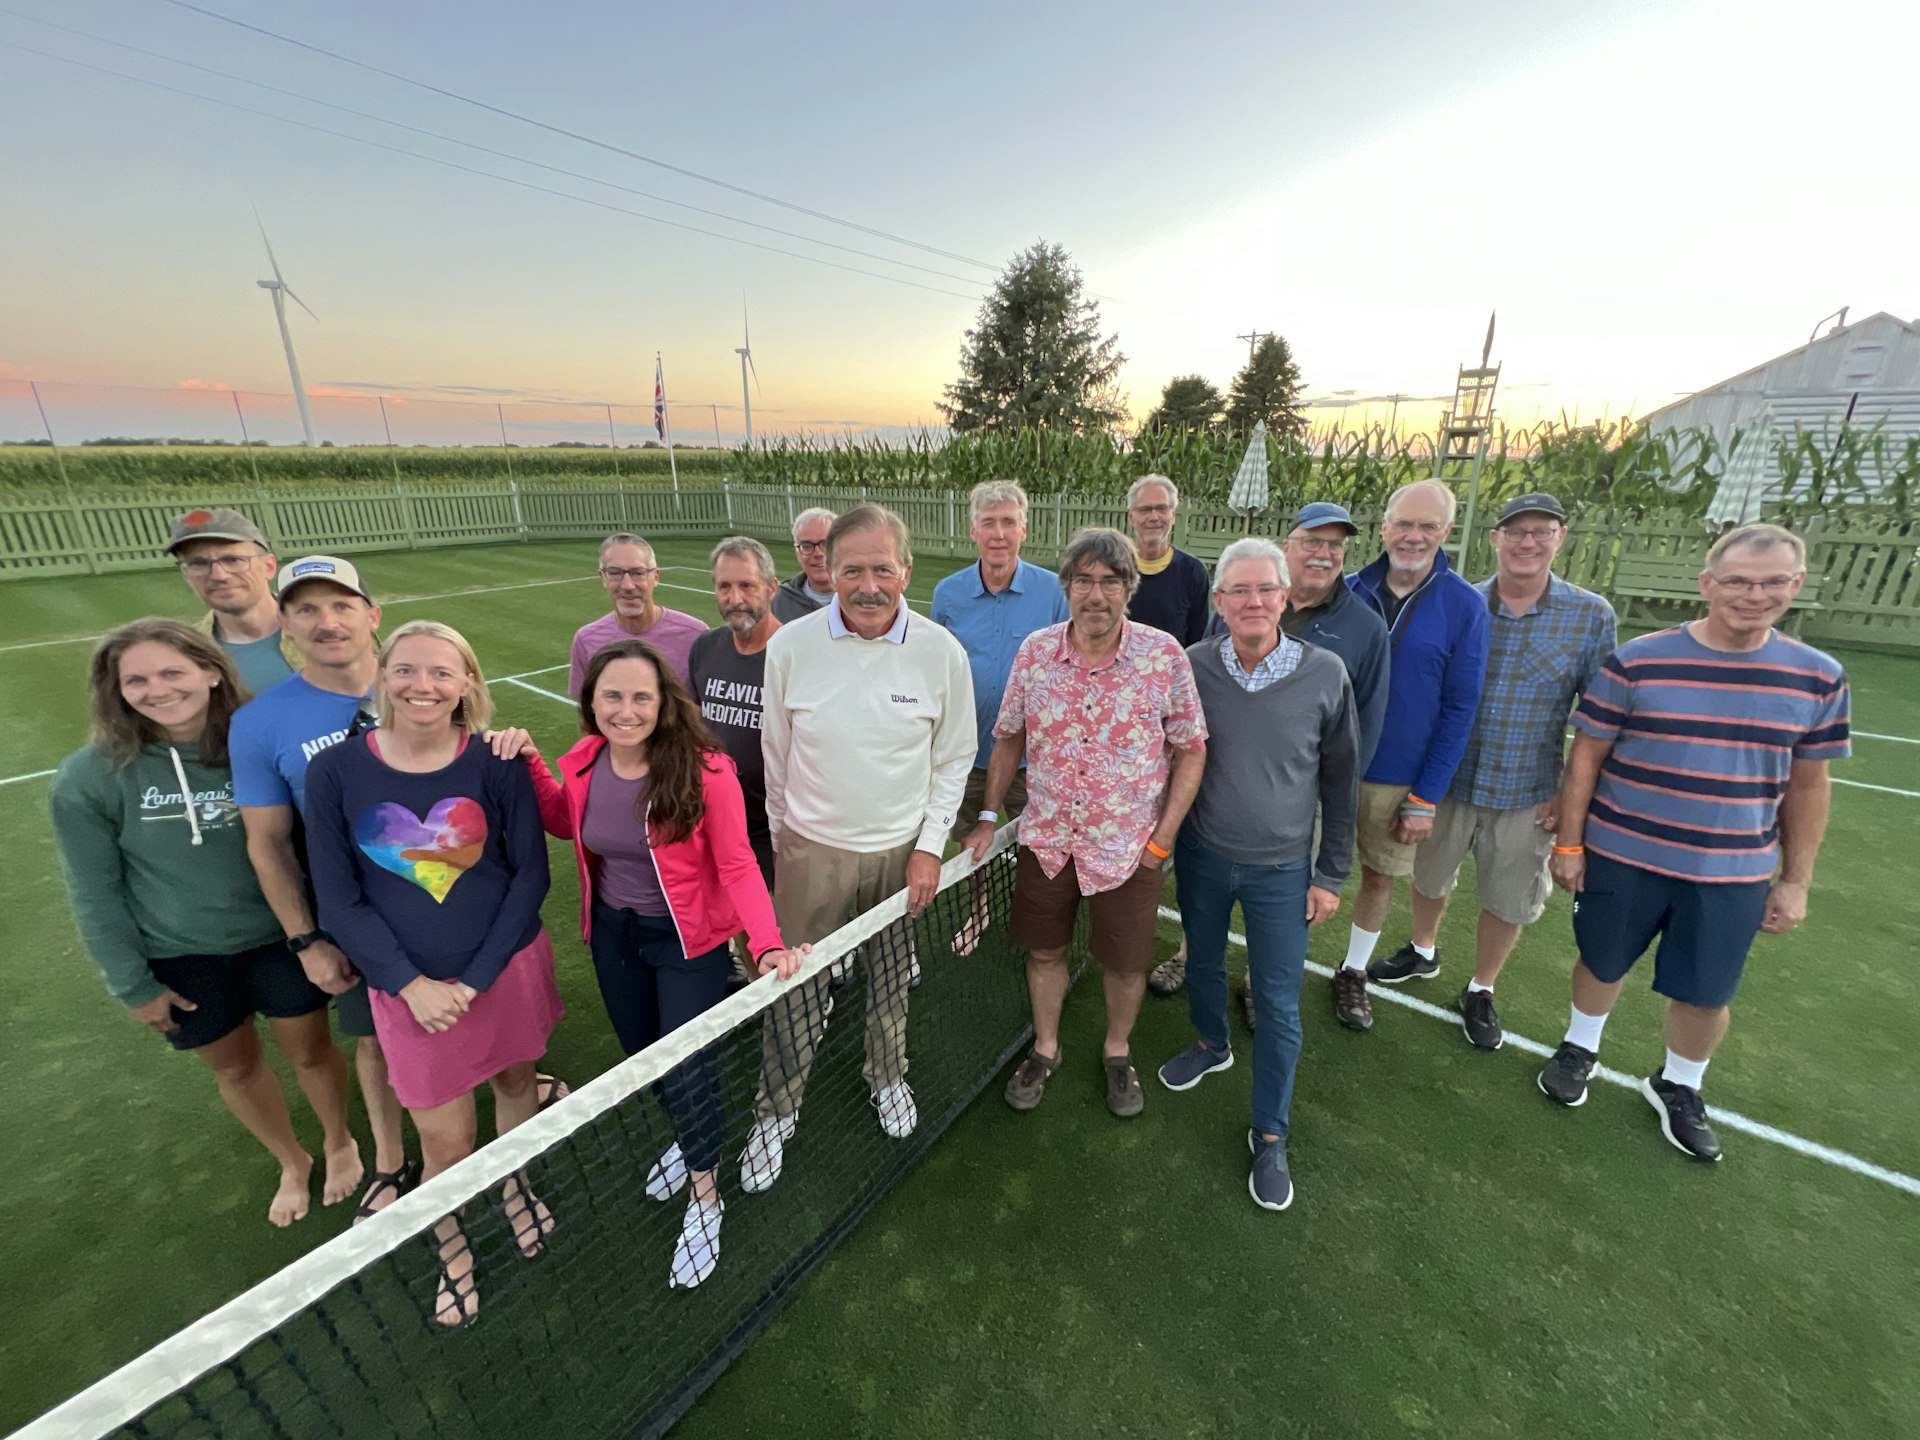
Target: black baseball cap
x: 1539, y: 502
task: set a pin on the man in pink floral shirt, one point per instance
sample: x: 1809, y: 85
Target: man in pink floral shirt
x: 1106, y: 715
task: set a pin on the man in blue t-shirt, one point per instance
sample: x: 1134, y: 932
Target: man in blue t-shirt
x: 327, y: 611
x: 990, y: 608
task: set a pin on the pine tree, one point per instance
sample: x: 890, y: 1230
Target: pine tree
x: 1036, y: 355
x: 1190, y: 402
x: 1269, y: 389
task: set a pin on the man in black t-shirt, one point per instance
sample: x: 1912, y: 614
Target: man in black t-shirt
x: 726, y: 667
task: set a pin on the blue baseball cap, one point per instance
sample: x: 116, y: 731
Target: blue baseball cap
x: 1325, y: 512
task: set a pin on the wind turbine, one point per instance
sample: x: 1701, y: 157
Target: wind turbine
x: 745, y: 352
x: 282, y: 292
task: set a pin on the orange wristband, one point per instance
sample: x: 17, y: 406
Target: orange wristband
x: 1155, y: 851
x: 1569, y: 849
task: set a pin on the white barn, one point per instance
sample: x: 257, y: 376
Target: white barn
x: 1863, y: 374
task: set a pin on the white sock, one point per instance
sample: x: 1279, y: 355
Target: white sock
x: 1425, y: 952
x: 1478, y: 989
x: 1682, y: 1071
x: 1585, y: 1030
x: 1360, y: 948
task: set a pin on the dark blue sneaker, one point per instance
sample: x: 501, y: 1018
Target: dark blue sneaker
x: 1269, y: 1183
x: 1403, y: 965
x: 1185, y: 1070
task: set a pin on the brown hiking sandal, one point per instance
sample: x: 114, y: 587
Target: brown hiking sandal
x: 1350, y: 1003
x: 1029, y: 1082
x: 1245, y: 991
x: 1170, y: 975
x: 1124, y: 1096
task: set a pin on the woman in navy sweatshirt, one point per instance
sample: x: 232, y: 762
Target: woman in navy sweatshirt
x: 430, y: 864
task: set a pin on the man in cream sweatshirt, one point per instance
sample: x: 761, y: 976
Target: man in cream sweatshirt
x: 868, y: 736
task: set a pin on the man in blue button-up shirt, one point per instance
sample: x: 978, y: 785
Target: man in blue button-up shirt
x: 990, y: 607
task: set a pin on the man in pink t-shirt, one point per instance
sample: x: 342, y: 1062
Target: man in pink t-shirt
x: 630, y: 573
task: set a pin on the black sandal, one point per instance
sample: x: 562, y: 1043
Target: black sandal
x: 399, y: 1181
x: 552, y: 1090
x: 522, y: 1208
x: 456, y: 1295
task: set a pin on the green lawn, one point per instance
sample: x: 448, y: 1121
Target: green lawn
x: 1463, y: 1258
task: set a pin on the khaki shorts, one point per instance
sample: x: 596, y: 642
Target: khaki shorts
x: 1510, y: 855
x: 1124, y: 918
x: 975, y: 800
x: 1378, y: 850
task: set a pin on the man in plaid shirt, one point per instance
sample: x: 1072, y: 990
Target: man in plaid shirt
x: 1549, y: 639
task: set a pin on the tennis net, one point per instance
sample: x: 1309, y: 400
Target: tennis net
x: 586, y: 1338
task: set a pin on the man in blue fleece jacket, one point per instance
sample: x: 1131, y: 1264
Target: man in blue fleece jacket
x: 1437, y: 629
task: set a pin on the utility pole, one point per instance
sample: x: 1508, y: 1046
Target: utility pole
x: 1253, y: 341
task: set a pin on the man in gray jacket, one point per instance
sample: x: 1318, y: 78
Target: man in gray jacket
x: 1284, y: 740
x: 813, y: 586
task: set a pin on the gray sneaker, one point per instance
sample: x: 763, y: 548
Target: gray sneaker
x: 1124, y: 1096
x: 1564, y: 1077
x: 1169, y: 975
x: 1186, y: 1069
x: 1269, y: 1183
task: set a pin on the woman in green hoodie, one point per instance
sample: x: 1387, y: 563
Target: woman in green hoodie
x: 166, y: 902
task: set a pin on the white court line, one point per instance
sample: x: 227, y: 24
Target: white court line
x: 396, y: 600
x: 35, y: 775
x: 1897, y: 739
x: 515, y: 680
x: 1729, y: 1118
x: 1883, y: 789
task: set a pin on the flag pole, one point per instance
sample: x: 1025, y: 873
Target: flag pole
x: 666, y: 424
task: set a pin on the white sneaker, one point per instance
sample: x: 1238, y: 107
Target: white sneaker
x: 913, y: 975
x: 841, y: 971
x: 668, y: 1177
x: 697, y: 1250
x: 760, y: 1162
x: 898, y: 1114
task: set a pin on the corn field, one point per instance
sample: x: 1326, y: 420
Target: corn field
x: 1621, y: 466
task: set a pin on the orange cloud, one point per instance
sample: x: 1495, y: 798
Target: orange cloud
x: 203, y: 385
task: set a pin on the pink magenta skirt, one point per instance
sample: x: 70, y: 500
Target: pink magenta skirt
x: 506, y: 1025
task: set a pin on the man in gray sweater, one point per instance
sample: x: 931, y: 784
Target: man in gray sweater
x: 1284, y: 740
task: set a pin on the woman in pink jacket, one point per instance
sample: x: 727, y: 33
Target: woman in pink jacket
x: 667, y: 879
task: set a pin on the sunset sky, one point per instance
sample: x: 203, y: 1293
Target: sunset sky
x: 1653, y: 197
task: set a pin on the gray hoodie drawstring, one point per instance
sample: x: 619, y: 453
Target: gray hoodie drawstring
x: 186, y: 792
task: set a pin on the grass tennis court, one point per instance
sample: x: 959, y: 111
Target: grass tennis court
x: 1463, y: 1259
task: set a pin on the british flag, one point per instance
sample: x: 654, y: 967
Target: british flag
x: 659, y: 399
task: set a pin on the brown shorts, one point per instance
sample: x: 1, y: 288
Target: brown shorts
x: 1509, y: 853
x: 975, y: 800
x: 1044, y: 912
x: 1377, y: 849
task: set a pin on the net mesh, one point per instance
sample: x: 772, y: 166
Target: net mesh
x: 586, y: 1338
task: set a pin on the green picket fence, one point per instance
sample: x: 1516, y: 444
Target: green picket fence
x: 1872, y: 594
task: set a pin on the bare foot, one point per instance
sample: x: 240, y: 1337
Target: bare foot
x: 527, y: 1215
x: 344, y: 1172
x: 291, y: 1200
x: 967, y: 939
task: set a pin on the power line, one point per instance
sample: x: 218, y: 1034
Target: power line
x: 575, y: 135
x: 483, y: 149
x: 475, y: 170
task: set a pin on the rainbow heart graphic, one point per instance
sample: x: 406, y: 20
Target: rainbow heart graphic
x: 432, y: 853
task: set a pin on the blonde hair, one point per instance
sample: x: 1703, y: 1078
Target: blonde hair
x: 1760, y: 538
x: 476, y: 709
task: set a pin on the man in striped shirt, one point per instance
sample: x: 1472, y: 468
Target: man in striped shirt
x: 1692, y: 809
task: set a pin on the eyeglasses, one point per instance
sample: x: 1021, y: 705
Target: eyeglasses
x: 637, y: 574
x: 1314, y: 545
x: 1107, y: 584
x: 1536, y: 533
x: 1424, y: 527
x: 1239, y: 593
x: 1159, y: 511
x: 1773, y: 587
x: 810, y: 547
x: 200, y: 566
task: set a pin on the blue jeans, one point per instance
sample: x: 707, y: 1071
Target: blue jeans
x: 1273, y: 900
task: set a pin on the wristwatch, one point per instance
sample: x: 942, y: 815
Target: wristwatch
x: 297, y: 943
x: 990, y: 815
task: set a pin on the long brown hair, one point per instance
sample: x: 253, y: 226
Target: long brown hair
x: 677, y: 749
x: 118, y: 730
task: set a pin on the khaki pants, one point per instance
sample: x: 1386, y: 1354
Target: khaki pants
x: 816, y: 890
